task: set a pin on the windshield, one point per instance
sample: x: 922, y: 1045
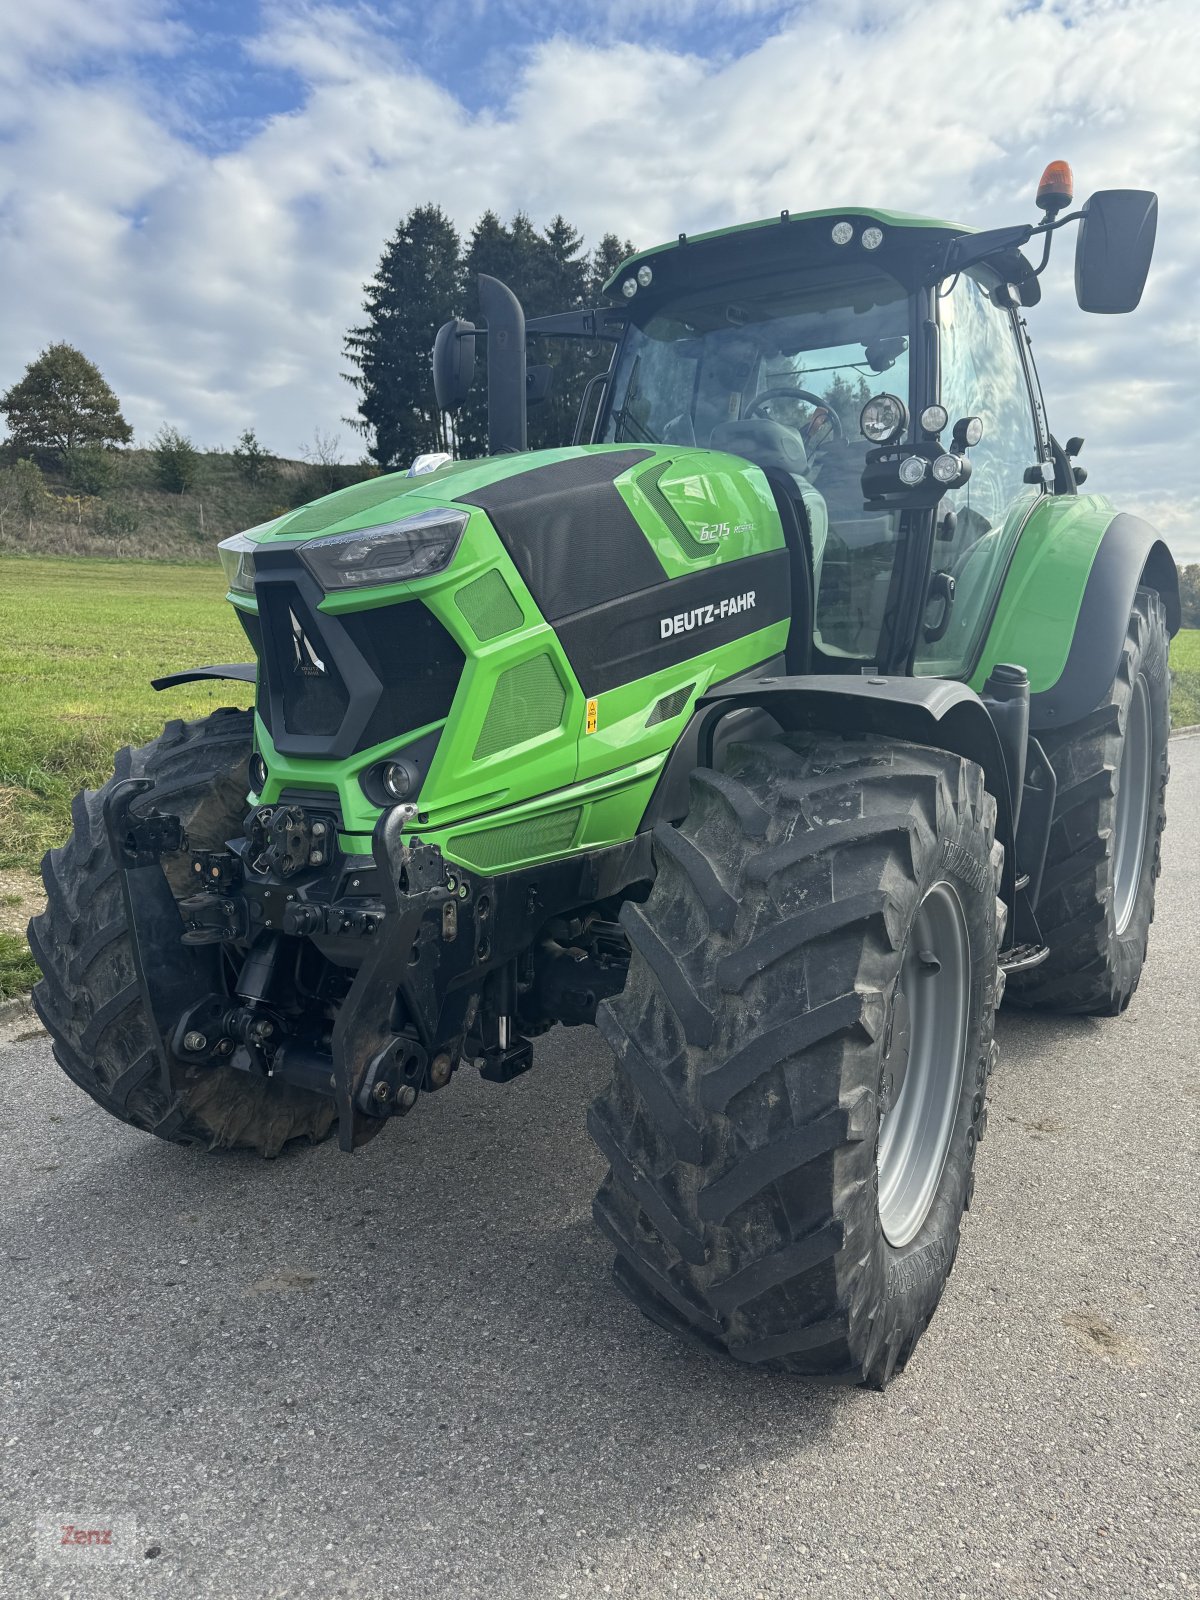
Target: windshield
x: 778, y: 371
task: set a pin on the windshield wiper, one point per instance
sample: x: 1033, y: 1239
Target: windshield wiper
x: 639, y: 430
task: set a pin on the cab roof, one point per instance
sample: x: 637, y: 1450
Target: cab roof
x: 853, y: 215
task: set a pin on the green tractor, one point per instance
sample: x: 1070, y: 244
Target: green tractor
x: 770, y: 726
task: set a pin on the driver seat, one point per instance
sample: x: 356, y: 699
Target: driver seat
x: 766, y: 443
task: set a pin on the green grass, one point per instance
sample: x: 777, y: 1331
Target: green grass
x: 79, y: 642
x: 17, y: 970
x: 1185, y: 678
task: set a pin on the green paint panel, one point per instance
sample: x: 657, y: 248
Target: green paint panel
x: 1038, y: 609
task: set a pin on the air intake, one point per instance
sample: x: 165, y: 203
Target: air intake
x: 670, y: 705
x: 489, y: 606
x: 529, y: 700
x: 515, y: 842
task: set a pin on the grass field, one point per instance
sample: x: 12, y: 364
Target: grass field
x: 79, y: 642
x: 1185, y: 678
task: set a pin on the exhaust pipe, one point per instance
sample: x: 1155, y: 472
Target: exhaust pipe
x: 506, y: 365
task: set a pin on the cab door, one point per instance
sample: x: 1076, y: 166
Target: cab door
x: 983, y: 374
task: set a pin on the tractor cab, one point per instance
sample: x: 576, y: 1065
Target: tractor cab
x: 875, y: 366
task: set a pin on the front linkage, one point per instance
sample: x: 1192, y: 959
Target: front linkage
x: 431, y: 964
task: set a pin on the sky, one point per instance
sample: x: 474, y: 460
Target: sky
x: 195, y: 192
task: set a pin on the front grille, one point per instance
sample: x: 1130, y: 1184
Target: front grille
x: 309, y: 693
x: 330, y: 686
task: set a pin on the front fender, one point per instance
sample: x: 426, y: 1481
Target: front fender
x: 940, y: 713
x: 1064, y: 606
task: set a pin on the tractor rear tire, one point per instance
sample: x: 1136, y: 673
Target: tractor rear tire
x: 88, y: 997
x: 762, y: 1045
x: 1105, y: 849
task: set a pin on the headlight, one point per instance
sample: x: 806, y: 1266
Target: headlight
x: 237, y: 562
x: 883, y: 418
x: 392, y: 552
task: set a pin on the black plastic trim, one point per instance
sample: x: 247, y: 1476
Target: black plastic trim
x: 235, y: 672
x: 615, y: 643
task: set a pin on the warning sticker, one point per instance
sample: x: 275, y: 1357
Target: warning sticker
x: 592, y: 716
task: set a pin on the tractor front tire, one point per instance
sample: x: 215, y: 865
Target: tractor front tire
x: 89, y: 998
x: 810, y: 1005
x: 1105, y: 849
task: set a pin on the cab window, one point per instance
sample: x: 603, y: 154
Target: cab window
x: 976, y: 527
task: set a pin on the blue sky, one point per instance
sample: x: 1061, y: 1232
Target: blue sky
x: 195, y: 192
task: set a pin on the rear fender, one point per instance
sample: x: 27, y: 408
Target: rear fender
x: 1064, y: 609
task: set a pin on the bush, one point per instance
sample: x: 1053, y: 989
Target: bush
x: 176, y: 460
x: 119, y: 522
x: 89, y: 470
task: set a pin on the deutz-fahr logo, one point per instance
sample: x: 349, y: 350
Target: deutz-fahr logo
x: 308, y: 663
x: 703, y: 616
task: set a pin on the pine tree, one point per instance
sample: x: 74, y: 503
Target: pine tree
x: 415, y: 289
x: 63, y: 403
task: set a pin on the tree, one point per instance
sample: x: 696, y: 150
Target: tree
x: 251, y: 460
x: 415, y: 289
x: 63, y: 403
x: 176, y: 460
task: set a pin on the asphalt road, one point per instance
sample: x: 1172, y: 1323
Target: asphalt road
x: 407, y: 1372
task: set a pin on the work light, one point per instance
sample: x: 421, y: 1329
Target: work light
x: 872, y: 238
x: 934, y: 418
x: 912, y: 471
x: 645, y: 277
x: 883, y: 418
x: 390, y: 552
x: 949, y: 468
x: 629, y: 288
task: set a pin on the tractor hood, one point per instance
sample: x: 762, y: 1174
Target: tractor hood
x: 505, y: 626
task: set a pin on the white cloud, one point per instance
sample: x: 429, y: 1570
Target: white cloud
x: 215, y: 289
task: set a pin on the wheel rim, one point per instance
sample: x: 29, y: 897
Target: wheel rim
x: 1133, y: 804
x: 923, y: 1069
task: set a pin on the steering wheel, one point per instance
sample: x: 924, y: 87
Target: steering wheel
x: 795, y: 394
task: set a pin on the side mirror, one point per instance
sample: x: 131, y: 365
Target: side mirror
x: 453, y: 363
x: 883, y: 354
x: 1113, y: 249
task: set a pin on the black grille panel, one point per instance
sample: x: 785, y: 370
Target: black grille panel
x: 307, y: 690
x: 415, y: 660
x: 330, y: 686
